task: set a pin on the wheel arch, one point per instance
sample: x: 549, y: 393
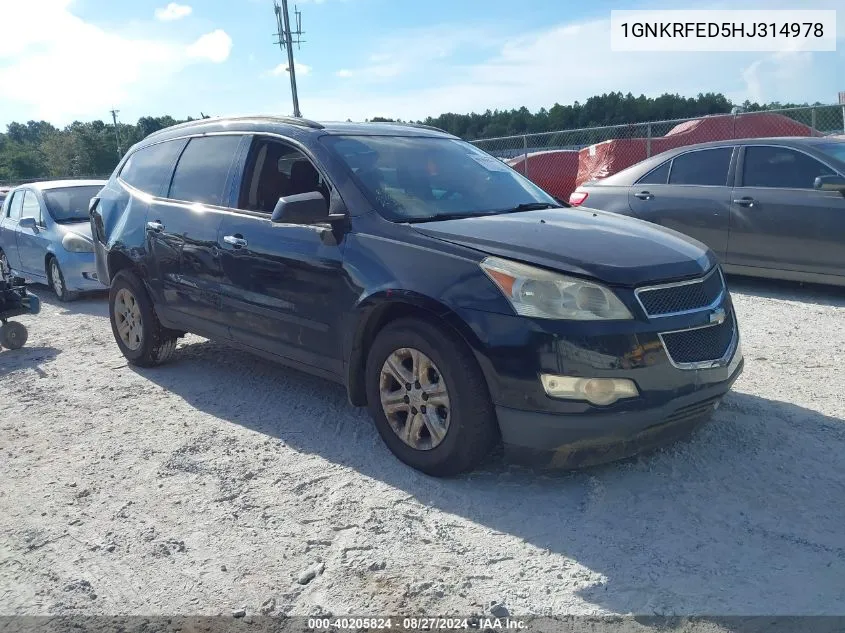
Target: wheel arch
x: 379, y: 310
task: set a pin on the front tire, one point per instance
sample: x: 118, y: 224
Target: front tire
x: 13, y: 335
x: 141, y: 337
x: 429, y: 399
x: 57, y: 281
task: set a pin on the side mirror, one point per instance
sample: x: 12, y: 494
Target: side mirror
x: 28, y: 223
x: 301, y: 208
x: 830, y: 183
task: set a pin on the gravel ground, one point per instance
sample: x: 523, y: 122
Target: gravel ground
x: 221, y: 481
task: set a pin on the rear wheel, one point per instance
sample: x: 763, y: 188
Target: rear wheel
x: 429, y: 398
x: 13, y: 335
x: 4, y: 265
x: 57, y: 281
x: 139, y: 334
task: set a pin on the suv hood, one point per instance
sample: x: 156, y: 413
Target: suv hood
x: 611, y: 248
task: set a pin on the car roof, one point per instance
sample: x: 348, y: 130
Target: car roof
x: 46, y: 185
x: 287, y: 125
x: 797, y: 141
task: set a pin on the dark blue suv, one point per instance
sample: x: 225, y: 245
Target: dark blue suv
x: 459, y: 302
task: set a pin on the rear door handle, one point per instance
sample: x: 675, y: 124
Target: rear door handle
x: 745, y: 202
x: 158, y: 227
x: 235, y: 240
x: 644, y: 195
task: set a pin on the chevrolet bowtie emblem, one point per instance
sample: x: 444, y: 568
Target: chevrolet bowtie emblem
x: 717, y: 316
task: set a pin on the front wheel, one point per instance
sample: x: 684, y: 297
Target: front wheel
x: 57, y: 281
x: 13, y: 335
x: 136, y: 328
x: 429, y: 399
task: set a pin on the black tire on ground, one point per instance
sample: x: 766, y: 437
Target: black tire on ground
x: 472, y: 431
x: 13, y: 335
x: 157, y: 342
x: 60, y: 289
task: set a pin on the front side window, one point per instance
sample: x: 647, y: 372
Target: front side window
x: 275, y: 170
x: 203, y: 170
x: 31, y: 208
x: 702, y: 167
x: 148, y: 168
x: 412, y: 178
x: 70, y: 204
x: 781, y: 168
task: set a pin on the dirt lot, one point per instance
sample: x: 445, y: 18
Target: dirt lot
x: 221, y: 481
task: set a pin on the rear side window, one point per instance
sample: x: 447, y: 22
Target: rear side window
x: 148, y: 169
x: 16, y: 205
x: 203, y: 170
x: 702, y: 167
x: 657, y: 176
x: 781, y: 167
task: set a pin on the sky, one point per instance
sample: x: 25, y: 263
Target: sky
x: 78, y: 59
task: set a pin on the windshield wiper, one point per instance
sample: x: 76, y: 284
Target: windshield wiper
x: 531, y: 206
x: 525, y: 206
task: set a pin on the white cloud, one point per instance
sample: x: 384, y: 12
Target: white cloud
x: 214, y: 46
x: 89, y: 68
x: 344, y: 73
x: 282, y: 69
x: 173, y: 11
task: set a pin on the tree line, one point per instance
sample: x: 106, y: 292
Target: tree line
x: 38, y: 149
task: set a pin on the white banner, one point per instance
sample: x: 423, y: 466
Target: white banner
x: 732, y: 31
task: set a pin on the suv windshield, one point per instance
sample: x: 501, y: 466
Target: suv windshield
x: 414, y: 179
x: 70, y: 204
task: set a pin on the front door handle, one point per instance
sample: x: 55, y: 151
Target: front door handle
x: 644, y: 195
x: 745, y: 202
x: 235, y: 240
x: 158, y: 227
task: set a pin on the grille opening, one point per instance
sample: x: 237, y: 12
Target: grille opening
x: 683, y: 296
x: 700, y: 345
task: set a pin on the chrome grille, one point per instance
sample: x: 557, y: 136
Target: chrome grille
x: 711, y: 343
x: 683, y: 296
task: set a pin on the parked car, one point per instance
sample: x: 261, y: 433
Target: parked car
x: 448, y: 293
x: 768, y: 207
x: 4, y: 191
x: 45, y: 235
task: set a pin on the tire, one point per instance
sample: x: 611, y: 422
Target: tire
x: 5, y: 271
x: 471, y: 430
x: 13, y: 335
x: 57, y: 281
x: 148, y: 343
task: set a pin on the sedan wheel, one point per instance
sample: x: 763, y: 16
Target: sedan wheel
x: 56, y: 279
x: 414, y: 398
x: 127, y: 316
x: 4, y: 265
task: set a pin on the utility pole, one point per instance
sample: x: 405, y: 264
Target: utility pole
x: 116, y: 133
x: 286, y: 41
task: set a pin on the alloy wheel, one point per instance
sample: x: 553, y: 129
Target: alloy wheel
x: 127, y: 318
x: 56, y: 278
x: 414, y: 398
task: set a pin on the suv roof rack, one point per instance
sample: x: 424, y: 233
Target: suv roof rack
x: 419, y: 125
x: 290, y: 120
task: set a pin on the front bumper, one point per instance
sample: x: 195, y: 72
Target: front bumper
x: 514, y: 351
x: 79, y: 271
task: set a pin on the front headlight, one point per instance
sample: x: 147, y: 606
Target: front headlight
x: 535, y: 292
x: 77, y: 244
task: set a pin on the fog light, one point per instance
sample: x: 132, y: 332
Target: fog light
x: 601, y: 391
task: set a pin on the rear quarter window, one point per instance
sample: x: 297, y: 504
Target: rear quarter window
x: 149, y: 168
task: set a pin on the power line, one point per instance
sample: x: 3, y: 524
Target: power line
x: 116, y: 133
x: 285, y: 40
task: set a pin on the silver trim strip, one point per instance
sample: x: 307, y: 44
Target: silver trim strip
x: 705, y: 364
x: 689, y: 282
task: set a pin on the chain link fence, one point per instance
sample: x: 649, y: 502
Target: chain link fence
x: 560, y: 161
